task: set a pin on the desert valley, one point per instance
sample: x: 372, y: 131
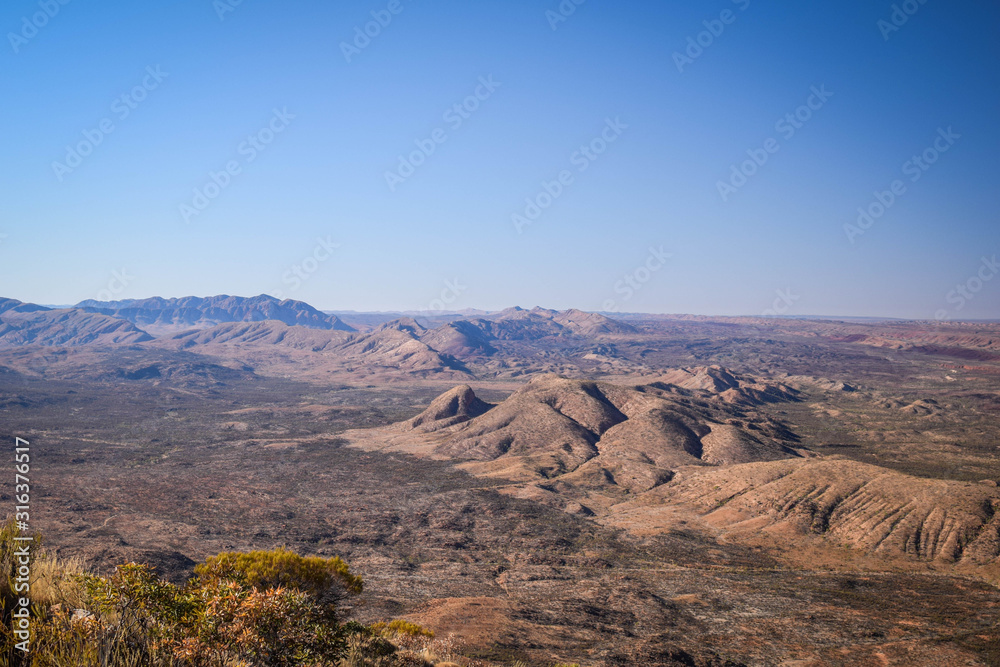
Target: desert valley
x: 536, y: 485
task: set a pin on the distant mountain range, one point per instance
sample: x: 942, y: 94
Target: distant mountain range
x: 292, y: 337
x: 140, y: 320
x: 109, y: 322
x: 402, y: 345
x: 271, y: 334
x: 159, y: 316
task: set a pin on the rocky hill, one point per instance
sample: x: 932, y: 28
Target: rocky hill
x: 461, y: 339
x: 591, y: 435
x: 481, y: 337
x: 520, y: 324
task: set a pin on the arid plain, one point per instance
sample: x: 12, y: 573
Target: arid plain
x: 547, y: 486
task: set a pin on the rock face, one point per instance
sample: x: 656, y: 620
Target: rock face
x: 173, y: 315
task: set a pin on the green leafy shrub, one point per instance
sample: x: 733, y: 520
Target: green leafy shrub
x: 324, y: 578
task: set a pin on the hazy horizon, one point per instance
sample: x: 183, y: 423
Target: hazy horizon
x: 708, y: 159
x: 472, y: 308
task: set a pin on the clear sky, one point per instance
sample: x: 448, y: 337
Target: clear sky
x: 313, y: 119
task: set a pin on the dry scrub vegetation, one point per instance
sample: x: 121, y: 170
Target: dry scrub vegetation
x: 263, y: 608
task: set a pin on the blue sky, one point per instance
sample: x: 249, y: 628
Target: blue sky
x: 650, y: 217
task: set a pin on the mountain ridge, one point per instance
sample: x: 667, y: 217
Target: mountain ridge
x: 171, y: 315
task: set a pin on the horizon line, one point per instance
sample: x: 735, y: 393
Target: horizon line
x: 466, y: 311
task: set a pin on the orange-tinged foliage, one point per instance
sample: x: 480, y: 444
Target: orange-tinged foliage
x: 262, y: 608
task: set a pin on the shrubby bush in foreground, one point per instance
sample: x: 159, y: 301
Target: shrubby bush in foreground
x: 266, y: 608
